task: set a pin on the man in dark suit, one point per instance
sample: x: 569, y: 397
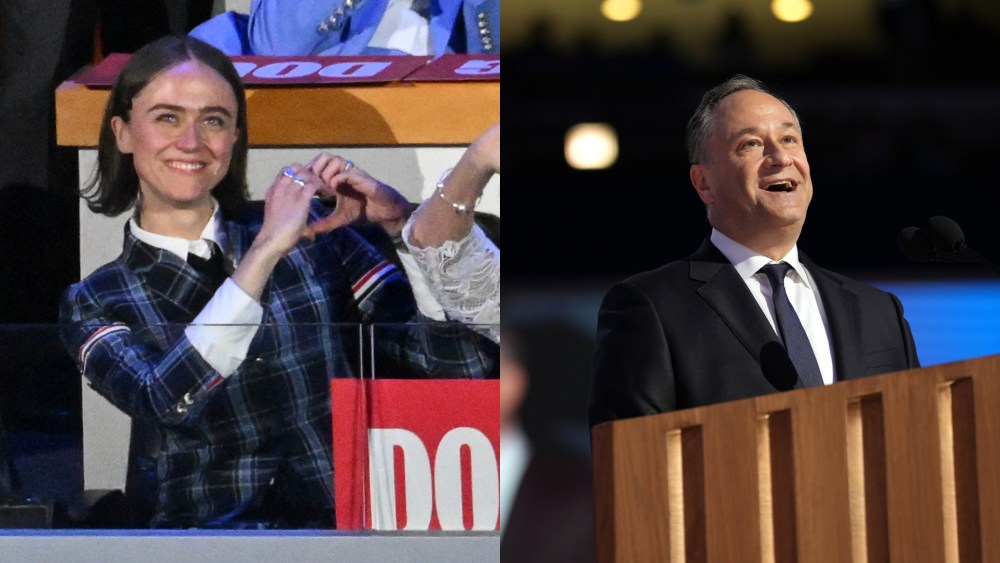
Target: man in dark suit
x: 712, y: 327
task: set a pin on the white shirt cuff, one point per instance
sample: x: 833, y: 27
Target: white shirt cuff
x: 222, y: 332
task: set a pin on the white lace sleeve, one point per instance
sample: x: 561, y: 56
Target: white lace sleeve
x: 463, y: 276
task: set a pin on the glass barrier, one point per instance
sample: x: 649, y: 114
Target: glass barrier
x: 423, y: 452
x: 41, y: 473
x: 225, y: 413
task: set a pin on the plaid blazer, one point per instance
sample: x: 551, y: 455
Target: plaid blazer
x: 226, y: 441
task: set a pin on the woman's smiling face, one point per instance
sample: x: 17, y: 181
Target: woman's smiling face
x: 180, y: 133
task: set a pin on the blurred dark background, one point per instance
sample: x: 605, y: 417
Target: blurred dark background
x: 900, y: 107
x: 898, y: 128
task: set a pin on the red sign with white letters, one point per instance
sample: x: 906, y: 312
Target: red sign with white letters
x: 450, y: 68
x: 272, y: 71
x: 325, y: 70
x: 416, y: 454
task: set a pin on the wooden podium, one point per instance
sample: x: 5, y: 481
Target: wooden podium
x: 898, y: 467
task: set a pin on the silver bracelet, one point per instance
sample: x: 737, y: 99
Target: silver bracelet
x: 459, y: 208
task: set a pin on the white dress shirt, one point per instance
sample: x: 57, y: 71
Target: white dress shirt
x: 402, y: 29
x: 801, y: 290
x: 223, y: 330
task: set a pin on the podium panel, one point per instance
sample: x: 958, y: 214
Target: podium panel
x: 898, y: 467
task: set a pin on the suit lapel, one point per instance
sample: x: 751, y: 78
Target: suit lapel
x: 442, y: 20
x: 728, y: 295
x: 182, y: 289
x: 363, y: 23
x: 843, y: 316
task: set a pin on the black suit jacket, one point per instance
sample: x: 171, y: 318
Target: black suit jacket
x: 690, y: 334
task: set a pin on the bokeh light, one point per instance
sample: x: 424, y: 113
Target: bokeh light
x: 591, y: 146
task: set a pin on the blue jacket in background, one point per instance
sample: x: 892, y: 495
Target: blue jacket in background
x: 345, y: 27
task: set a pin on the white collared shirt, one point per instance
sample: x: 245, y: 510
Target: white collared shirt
x: 800, y: 288
x: 223, y: 330
x: 181, y: 247
x: 402, y: 29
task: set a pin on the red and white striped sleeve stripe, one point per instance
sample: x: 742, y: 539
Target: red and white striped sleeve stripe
x: 363, y: 287
x: 97, y: 335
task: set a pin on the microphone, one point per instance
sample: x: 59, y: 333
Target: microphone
x: 941, y: 241
x: 946, y: 235
x: 777, y: 366
x: 916, y: 245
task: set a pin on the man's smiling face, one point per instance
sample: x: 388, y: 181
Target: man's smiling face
x: 755, y: 179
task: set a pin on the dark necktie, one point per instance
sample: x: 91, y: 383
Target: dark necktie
x: 422, y: 7
x: 214, y: 268
x: 796, y: 342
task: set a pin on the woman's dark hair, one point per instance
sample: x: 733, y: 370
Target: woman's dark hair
x: 114, y: 186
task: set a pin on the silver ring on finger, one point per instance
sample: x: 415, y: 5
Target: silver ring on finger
x: 299, y: 180
x: 348, y: 166
x: 289, y: 172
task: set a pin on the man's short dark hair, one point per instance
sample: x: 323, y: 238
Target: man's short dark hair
x: 700, y: 126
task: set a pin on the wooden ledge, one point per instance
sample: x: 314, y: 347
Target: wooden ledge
x: 401, y: 113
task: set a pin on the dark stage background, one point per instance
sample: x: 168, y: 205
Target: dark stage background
x: 900, y: 125
x: 895, y: 135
